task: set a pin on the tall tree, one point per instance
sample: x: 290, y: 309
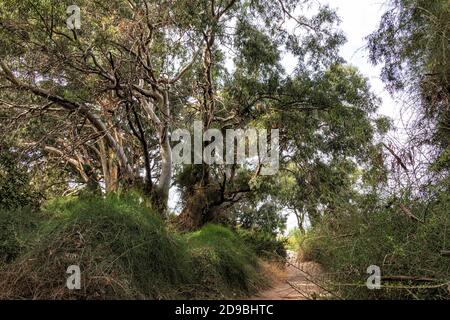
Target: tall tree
x: 105, y: 99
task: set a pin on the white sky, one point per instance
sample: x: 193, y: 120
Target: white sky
x: 359, y: 19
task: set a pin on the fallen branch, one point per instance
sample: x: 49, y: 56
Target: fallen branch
x: 295, y: 288
x: 401, y: 287
x: 407, y: 278
x: 409, y: 213
x: 445, y: 253
x: 310, y: 278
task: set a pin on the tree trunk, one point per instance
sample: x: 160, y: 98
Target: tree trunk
x: 166, y: 168
x: 204, y: 205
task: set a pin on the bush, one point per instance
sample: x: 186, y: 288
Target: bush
x: 16, y: 190
x: 227, y: 264
x: 294, y: 239
x: 16, y: 225
x: 390, y: 240
x: 265, y: 244
x: 124, y: 251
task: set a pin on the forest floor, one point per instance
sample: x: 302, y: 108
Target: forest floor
x: 297, y: 281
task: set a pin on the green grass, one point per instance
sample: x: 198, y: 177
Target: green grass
x: 225, y: 261
x: 125, y: 251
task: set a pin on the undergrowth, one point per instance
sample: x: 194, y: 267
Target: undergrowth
x: 408, y: 252
x: 16, y: 225
x: 125, y: 251
x: 265, y: 244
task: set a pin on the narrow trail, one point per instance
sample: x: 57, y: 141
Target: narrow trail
x: 294, y: 283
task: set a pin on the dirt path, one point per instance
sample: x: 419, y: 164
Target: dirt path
x: 294, y: 283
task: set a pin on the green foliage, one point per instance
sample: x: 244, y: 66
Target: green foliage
x: 15, y: 188
x: 82, y: 99
x: 412, y: 39
x: 115, y: 239
x: 391, y: 240
x: 412, y: 44
x: 125, y: 251
x: 266, y: 245
x: 267, y: 218
x: 294, y: 239
x: 16, y: 227
x: 324, y: 108
x: 224, y: 260
x: 332, y: 143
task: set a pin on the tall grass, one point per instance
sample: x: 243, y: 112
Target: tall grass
x: 225, y: 262
x: 125, y: 251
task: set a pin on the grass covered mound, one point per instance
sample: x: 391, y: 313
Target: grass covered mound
x: 125, y: 251
x: 224, y: 263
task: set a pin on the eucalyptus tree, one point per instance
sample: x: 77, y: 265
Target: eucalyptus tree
x: 105, y: 98
x: 119, y: 73
x: 257, y: 91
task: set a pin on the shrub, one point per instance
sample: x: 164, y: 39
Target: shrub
x: 294, y: 239
x: 15, y: 228
x: 226, y: 262
x: 16, y: 190
x: 392, y: 241
x: 265, y: 244
x: 122, y: 249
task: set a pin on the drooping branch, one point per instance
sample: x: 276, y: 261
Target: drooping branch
x: 72, y: 106
x: 74, y: 162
